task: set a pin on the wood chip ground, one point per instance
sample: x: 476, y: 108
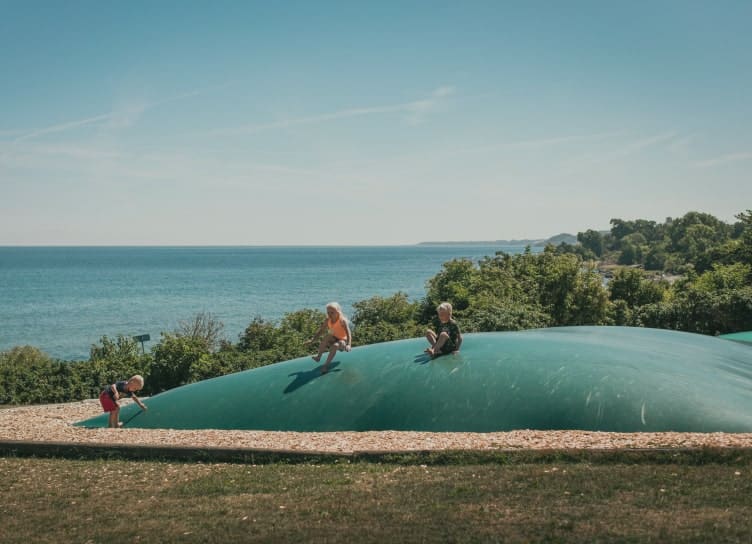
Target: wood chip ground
x: 54, y: 423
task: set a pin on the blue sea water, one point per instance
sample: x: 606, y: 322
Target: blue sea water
x: 64, y: 299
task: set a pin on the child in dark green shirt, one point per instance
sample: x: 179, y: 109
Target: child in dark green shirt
x: 447, y: 337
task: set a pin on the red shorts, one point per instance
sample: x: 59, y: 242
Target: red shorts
x: 108, y: 405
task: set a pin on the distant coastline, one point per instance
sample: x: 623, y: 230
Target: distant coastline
x: 483, y: 243
x: 555, y: 240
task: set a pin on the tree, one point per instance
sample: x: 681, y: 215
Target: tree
x: 265, y: 342
x: 259, y: 335
x: 123, y: 349
x: 592, y: 240
x: 629, y: 254
x: 649, y: 230
x: 295, y: 330
x: 631, y: 286
x: 576, y: 249
x: 557, y: 276
x: 589, y: 303
x: 179, y: 360
x: 724, y: 277
x: 111, y: 360
x: 487, y: 314
x: 621, y: 228
x: 452, y: 284
x: 656, y: 257
x: 633, y: 247
x: 744, y: 251
x: 676, y: 230
x: 381, y: 319
x: 25, y: 373
x: 716, y: 302
x: 396, y: 309
x: 205, y: 327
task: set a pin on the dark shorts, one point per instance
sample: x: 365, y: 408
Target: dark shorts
x: 447, y: 348
x: 108, y: 405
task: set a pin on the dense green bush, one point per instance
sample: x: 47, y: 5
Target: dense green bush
x: 382, y: 319
x: 631, y: 286
x: 511, y: 292
x: 27, y: 375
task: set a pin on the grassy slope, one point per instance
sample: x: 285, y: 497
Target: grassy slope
x: 659, y: 500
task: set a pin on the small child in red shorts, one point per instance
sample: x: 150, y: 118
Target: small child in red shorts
x: 110, y: 396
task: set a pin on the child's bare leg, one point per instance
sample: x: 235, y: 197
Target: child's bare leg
x: 440, y: 341
x: 325, y: 344
x: 114, y: 417
x: 317, y: 357
x: 329, y: 358
x: 339, y: 345
x: 431, y: 337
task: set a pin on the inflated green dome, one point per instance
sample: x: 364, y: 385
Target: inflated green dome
x: 745, y: 337
x: 589, y: 378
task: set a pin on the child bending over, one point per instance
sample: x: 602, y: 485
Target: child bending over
x: 111, y: 395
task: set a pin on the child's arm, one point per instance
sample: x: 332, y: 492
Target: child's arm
x: 348, y: 345
x: 459, y: 340
x: 116, y: 395
x: 319, y: 332
x: 138, y: 401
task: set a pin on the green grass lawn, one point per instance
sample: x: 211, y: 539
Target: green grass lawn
x: 63, y: 500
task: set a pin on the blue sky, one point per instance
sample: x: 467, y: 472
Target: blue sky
x: 328, y: 123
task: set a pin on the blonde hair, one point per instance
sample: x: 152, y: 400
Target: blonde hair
x: 445, y: 306
x: 338, y: 308
x: 138, y: 378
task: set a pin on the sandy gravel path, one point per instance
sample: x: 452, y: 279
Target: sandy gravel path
x: 53, y: 423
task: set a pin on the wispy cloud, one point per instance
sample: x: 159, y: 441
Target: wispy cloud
x: 536, y: 143
x: 11, y: 133
x: 636, y: 146
x: 415, y: 110
x: 626, y: 149
x: 724, y: 159
x: 74, y: 151
x: 64, y: 126
x: 313, y: 119
x: 118, y: 167
x: 118, y: 118
x: 682, y: 145
x: 41, y: 156
x: 418, y: 109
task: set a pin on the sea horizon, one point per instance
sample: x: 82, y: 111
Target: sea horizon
x: 63, y: 299
x: 408, y: 244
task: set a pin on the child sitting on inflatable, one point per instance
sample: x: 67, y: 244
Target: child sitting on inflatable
x: 335, y: 335
x: 447, y: 338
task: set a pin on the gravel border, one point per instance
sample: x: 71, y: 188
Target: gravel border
x: 52, y: 425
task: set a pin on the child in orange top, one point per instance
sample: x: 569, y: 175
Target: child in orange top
x: 335, y: 335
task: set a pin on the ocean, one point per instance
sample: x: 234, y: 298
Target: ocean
x: 64, y: 299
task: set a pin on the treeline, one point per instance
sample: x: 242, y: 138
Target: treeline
x: 692, y: 274
x: 695, y: 242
